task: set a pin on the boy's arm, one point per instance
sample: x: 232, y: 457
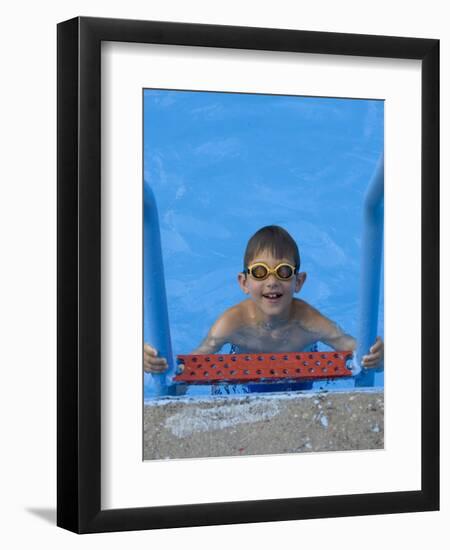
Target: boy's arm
x: 338, y: 339
x: 330, y: 333
x: 219, y: 334
x: 327, y: 331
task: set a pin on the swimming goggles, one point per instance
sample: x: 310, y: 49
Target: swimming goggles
x: 260, y: 271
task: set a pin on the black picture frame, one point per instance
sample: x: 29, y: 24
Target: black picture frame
x: 79, y: 275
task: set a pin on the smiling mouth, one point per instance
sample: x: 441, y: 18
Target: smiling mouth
x: 272, y: 296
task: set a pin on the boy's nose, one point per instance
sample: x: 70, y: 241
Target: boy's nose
x: 272, y: 280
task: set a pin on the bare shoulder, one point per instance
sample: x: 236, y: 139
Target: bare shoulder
x: 229, y: 322
x: 312, y: 320
x: 221, y: 332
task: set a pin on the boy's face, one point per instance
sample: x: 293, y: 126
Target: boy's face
x: 271, y: 295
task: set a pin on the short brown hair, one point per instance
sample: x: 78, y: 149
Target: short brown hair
x: 273, y: 239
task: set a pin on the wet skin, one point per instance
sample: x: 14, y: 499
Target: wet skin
x: 271, y: 320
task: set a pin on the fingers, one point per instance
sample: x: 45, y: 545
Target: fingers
x: 155, y: 369
x: 150, y: 349
x: 375, y: 355
x: 371, y: 360
x: 153, y: 363
x: 378, y: 346
x: 155, y: 366
x: 149, y: 352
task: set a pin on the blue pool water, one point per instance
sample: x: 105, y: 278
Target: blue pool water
x: 223, y: 165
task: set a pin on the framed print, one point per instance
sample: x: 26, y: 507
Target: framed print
x: 248, y: 254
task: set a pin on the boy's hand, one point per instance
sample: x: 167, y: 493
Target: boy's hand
x: 153, y: 363
x: 375, y: 356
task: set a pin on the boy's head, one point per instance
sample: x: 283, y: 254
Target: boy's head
x: 271, y: 270
x: 276, y: 241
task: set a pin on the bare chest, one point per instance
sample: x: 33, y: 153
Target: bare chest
x: 260, y: 339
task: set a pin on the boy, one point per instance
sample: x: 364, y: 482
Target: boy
x: 271, y: 319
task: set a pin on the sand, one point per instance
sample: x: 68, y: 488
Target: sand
x: 264, y: 424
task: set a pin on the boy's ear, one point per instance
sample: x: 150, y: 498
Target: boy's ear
x: 300, y: 281
x: 243, y: 283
